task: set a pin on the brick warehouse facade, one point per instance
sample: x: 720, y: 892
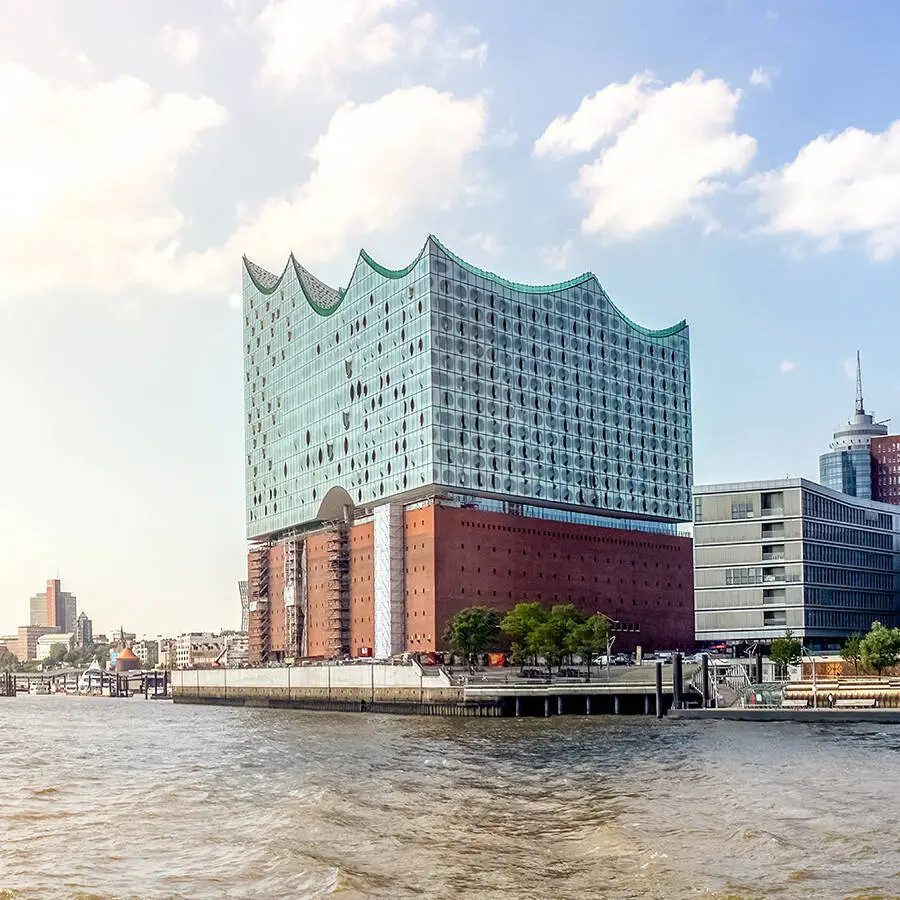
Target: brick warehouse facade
x: 436, y: 437
x: 642, y: 581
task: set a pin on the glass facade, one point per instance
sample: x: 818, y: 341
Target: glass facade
x: 440, y: 375
x: 847, y: 471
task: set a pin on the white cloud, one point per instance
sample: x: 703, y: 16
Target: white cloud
x: 762, y: 76
x: 182, y: 44
x: 787, y: 365
x: 310, y: 39
x: 838, y: 186
x: 662, y: 151
x: 556, y: 256
x: 376, y: 164
x: 86, y: 181
x: 487, y: 241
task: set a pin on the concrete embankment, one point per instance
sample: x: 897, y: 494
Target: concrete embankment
x: 369, y: 687
x: 408, y: 688
x: 831, y: 716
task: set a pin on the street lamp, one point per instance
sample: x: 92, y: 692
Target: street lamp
x: 812, y: 660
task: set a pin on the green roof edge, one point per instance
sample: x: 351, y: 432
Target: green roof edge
x: 474, y: 270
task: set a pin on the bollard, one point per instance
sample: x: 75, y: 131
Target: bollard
x: 559, y: 705
x: 587, y: 705
x: 704, y: 670
x: 617, y: 704
x: 546, y: 707
x: 677, y: 681
x: 518, y: 707
x: 659, y: 693
x: 646, y: 704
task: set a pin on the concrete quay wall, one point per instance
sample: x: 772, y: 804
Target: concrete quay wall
x: 371, y: 687
x: 879, y: 716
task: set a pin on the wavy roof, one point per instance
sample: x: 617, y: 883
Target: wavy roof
x: 325, y: 300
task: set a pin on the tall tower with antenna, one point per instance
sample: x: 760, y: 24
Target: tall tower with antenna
x: 860, y: 408
x: 848, y: 466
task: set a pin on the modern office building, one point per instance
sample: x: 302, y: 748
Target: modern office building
x: 847, y: 467
x: 435, y: 437
x: 54, y: 608
x: 37, y: 609
x: 773, y: 555
x: 84, y: 631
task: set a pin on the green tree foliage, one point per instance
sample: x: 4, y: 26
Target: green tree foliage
x: 852, y: 650
x: 589, y: 638
x: 880, y: 648
x: 58, y: 653
x: 519, y: 623
x: 551, y: 638
x: 786, y: 651
x: 8, y: 661
x: 473, y: 630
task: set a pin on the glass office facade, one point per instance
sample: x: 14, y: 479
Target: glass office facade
x: 442, y: 376
x: 847, y: 471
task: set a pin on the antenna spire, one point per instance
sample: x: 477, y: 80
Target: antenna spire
x: 860, y: 409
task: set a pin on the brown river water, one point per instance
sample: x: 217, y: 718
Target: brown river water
x: 108, y: 798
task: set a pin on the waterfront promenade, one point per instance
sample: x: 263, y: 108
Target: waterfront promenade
x: 411, y: 688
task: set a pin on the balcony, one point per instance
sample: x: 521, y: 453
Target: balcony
x: 773, y: 512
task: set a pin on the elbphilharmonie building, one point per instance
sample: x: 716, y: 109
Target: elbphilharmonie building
x: 435, y: 437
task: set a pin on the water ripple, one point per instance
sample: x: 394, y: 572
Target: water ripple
x: 126, y: 799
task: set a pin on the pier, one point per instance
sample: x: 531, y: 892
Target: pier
x: 408, y: 688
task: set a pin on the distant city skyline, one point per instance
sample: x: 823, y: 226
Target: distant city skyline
x: 771, y: 224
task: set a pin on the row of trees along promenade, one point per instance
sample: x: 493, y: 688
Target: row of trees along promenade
x: 875, y: 651
x: 531, y: 631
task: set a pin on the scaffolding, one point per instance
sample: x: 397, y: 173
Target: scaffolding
x: 260, y: 626
x: 337, y: 591
x: 293, y: 606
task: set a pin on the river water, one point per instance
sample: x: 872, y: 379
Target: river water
x: 108, y: 798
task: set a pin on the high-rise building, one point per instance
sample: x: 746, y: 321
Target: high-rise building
x: 61, y: 607
x: 848, y: 466
x: 773, y: 555
x: 84, y: 631
x: 245, y: 606
x: 436, y: 437
x: 37, y: 609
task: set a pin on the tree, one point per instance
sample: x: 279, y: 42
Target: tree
x: 473, y: 630
x: 589, y: 638
x: 880, y: 647
x: 786, y: 651
x: 517, y: 655
x: 8, y: 661
x: 520, y: 622
x: 851, y: 651
x: 551, y: 638
x: 57, y: 654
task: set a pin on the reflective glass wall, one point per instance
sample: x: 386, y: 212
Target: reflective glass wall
x: 441, y: 374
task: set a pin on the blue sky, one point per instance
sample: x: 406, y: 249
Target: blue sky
x: 731, y: 163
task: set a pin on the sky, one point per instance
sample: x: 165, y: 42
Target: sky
x: 733, y: 163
